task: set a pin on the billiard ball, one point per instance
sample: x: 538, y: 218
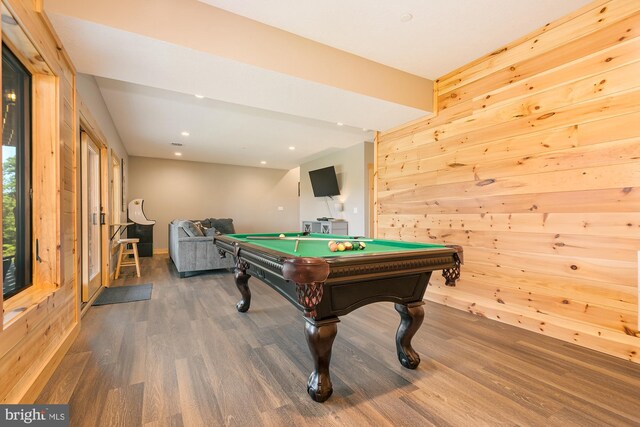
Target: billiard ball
x: 348, y: 246
x: 331, y: 242
x: 341, y: 247
x: 363, y: 245
x: 333, y: 247
x: 281, y: 236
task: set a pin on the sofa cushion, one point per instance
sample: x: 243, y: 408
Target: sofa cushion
x: 223, y: 225
x: 211, y: 232
x: 191, y: 229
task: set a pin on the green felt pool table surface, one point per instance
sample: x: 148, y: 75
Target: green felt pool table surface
x: 320, y: 248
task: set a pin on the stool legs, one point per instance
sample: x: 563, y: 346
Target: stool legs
x: 135, y: 257
x: 124, y: 252
x: 120, y: 255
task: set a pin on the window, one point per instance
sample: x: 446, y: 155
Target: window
x: 16, y: 175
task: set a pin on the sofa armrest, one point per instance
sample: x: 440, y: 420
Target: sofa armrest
x: 196, y: 239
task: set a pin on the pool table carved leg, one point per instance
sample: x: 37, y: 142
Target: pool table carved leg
x: 411, y: 317
x: 320, y: 336
x: 242, y: 283
x: 451, y: 275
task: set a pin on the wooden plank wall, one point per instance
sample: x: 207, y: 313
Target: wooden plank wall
x: 532, y: 163
x: 31, y: 346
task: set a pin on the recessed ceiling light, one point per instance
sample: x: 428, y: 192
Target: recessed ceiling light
x: 292, y: 148
x: 184, y: 133
x: 365, y: 130
x: 263, y: 162
x: 177, y: 154
x: 176, y: 144
x: 199, y: 96
x: 406, y: 17
x: 340, y: 123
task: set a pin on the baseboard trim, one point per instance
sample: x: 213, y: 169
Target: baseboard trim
x: 160, y: 251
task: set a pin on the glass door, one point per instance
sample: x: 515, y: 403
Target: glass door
x: 91, y: 218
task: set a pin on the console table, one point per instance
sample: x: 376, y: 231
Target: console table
x: 331, y: 226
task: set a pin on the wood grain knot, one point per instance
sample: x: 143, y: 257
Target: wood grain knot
x: 485, y: 182
x: 546, y: 116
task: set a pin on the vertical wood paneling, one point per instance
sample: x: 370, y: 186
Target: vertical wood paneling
x: 31, y: 347
x: 532, y: 163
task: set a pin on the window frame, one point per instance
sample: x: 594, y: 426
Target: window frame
x: 24, y: 179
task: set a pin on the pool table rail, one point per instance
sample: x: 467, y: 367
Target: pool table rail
x: 335, y: 285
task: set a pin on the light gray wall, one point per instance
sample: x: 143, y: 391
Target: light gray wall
x: 89, y: 92
x: 91, y: 96
x: 192, y: 190
x: 351, y: 169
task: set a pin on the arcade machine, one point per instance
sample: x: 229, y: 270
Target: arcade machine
x: 142, y: 227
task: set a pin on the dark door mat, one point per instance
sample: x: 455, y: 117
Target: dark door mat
x: 120, y: 294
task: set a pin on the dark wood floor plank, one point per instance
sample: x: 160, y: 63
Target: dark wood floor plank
x: 187, y: 358
x: 173, y: 421
x: 87, y: 401
x: 66, y: 378
x: 123, y: 407
x: 197, y: 398
x: 132, y: 358
x: 161, y: 399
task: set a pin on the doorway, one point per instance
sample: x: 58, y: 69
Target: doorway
x: 92, y: 217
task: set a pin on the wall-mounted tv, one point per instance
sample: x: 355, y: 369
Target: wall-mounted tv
x: 324, y: 182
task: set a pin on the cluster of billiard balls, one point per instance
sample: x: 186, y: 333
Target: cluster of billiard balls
x: 346, y: 246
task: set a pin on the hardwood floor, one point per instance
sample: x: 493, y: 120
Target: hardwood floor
x: 188, y: 358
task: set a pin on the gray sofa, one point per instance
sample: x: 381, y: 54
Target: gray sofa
x: 191, y: 245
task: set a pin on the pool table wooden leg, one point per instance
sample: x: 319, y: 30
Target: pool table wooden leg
x: 411, y: 317
x: 242, y: 283
x: 320, y: 335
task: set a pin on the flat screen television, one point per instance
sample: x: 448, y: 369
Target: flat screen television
x: 324, y: 182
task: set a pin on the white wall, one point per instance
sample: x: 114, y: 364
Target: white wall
x: 351, y: 168
x: 192, y: 190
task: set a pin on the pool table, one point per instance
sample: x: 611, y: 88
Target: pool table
x: 325, y: 285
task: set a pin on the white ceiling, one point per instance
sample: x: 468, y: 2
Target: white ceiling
x: 442, y: 35
x: 251, y: 114
x: 268, y: 137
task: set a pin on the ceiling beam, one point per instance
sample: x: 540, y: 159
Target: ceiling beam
x: 201, y: 27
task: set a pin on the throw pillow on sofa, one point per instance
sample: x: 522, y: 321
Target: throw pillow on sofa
x: 223, y: 225
x: 200, y: 227
x: 191, y: 229
x: 209, y: 232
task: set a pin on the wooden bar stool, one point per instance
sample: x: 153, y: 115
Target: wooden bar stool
x: 124, y: 252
